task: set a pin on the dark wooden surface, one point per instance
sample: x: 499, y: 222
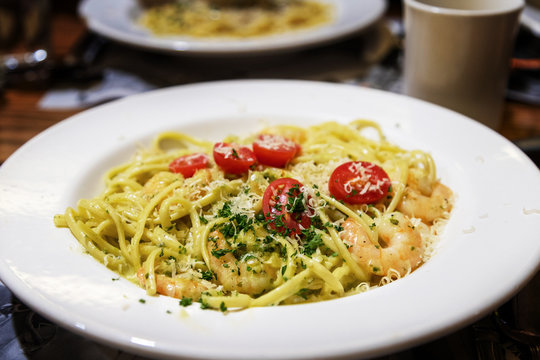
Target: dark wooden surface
x: 20, y: 117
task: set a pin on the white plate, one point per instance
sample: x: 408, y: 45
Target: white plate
x: 489, y: 249
x: 117, y: 20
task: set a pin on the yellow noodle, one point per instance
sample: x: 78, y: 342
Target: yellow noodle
x: 206, y: 235
x: 205, y: 19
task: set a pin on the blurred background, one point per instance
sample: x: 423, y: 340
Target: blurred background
x: 53, y: 66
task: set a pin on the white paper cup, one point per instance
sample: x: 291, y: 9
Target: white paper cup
x: 458, y: 52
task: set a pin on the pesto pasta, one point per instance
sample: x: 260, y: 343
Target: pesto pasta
x: 234, y: 18
x: 288, y: 215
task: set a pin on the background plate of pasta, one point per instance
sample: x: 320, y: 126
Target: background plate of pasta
x: 267, y: 219
x: 221, y: 27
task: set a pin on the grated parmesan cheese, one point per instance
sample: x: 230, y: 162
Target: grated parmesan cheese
x: 274, y: 142
x: 245, y: 204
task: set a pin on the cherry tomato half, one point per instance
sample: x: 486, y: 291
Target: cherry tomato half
x: 359, y: 182
x: 284, y: 206
x: 233, y: 158
x: 274, y: 150
x: 187, y: 165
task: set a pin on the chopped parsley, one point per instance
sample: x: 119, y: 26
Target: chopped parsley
x: 260, y: 217
x: 186, y: 301
x: 237, y: 222
x: 220, y: 252
x: 225, y: 211
x: 222, y: 307
x: 312, y: 241
x: 208, y: 275
x: 304, y: 293
x: 204, y: 305
x: 295, y: 203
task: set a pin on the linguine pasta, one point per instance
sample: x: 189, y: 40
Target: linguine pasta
x: 234, y: 19
x: 267, y: 235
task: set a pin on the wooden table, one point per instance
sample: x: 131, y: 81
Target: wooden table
x: 20, y: 117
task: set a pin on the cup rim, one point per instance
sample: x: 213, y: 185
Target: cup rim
x: 518, y: 6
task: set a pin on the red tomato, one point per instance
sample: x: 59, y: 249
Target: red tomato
x: 233, y: 158
x: 284, y: 206
x: 359, y: 182
x: 188, y: 164
x: 274, y: 150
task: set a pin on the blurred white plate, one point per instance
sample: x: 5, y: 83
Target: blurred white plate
x: 118, y: 20
x: 489, y: 249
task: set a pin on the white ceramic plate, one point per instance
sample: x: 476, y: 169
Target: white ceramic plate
x: 488, y: 251
x: 118, y: 20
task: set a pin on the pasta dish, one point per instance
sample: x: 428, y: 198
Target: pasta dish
x: 288, y: 215
x: 233, y: 18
